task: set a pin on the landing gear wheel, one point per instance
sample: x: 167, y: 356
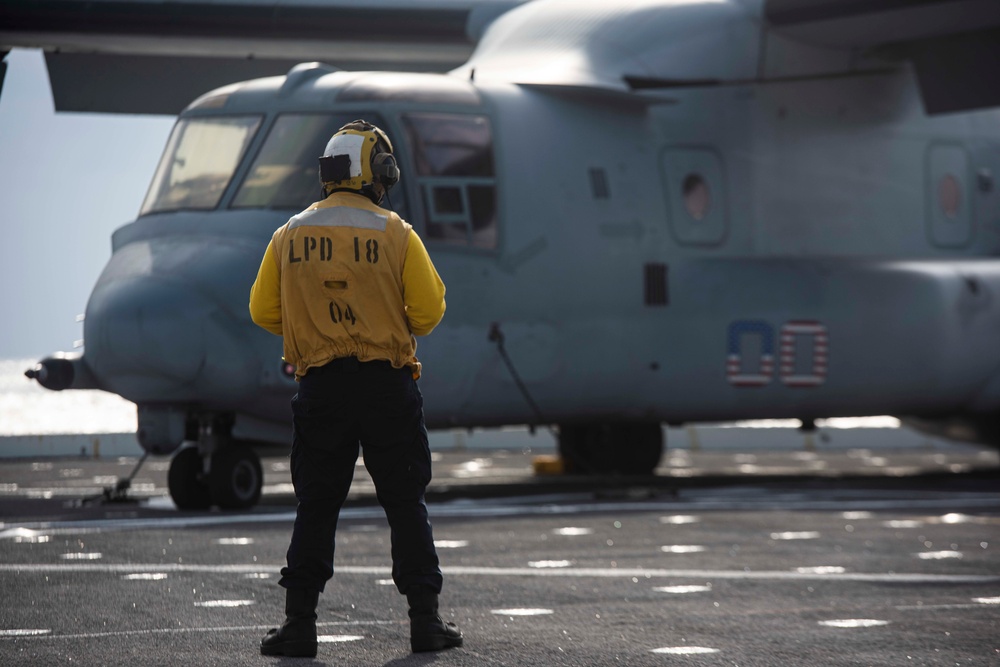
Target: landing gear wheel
x: 236, y: 478
x: 184, y: 480
x: 628, y: 448
x: 642, y: 448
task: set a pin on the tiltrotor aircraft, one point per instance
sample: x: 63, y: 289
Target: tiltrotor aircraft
x: 644, y: 211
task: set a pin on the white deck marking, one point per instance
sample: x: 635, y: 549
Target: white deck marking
x: 550, y: 563
x: 522, y: 612
x: 821, y: 569
x: 977, y: 604
x: 793, y: 535
x: 24, y: 632
x: 449, y: 510
x: 854, y: 623
x: 458, y: 570
x: 682, y: 548
x: 37, y: 634
x: 679, y: 519
x: 92, y: 555
x: 451, y: 544
x: 682, y: 590
x: 685, y: 650
x: 333, y: 639
x: 935, y: 607
x: 939, y: 555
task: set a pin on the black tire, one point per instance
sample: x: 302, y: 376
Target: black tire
x: 236, y: 477
x: 641, y: 448
x: 580, y: 449
x: 624, y: 448
x: 184, y: 479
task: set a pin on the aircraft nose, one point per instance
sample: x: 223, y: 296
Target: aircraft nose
x: 145, y: 337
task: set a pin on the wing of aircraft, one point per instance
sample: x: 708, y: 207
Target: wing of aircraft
x: 130, y: 56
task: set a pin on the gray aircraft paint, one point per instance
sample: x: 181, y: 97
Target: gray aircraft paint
x: 820, y: 241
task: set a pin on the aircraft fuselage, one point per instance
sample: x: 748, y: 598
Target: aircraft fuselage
x: 799, y: 250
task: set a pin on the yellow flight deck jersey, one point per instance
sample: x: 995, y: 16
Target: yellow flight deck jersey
x: 346, y: 278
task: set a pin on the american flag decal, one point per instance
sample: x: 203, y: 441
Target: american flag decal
x: 799, y: 329
x: 735, y: 373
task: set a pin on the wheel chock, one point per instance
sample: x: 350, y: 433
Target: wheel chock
x: 548, y: 465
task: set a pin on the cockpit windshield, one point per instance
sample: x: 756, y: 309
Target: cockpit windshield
x: 284, y: 173
x: 199, y: 161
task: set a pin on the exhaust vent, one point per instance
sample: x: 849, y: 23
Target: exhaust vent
x: 599, y: 184
x: 656, y: 285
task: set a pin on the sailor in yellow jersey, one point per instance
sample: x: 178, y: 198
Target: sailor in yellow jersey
x: 348, y: 285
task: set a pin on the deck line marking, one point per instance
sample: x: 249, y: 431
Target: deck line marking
x: 167, y: 631
x: 611, y: 572
x: 448, y: 510
x: 930, y: 607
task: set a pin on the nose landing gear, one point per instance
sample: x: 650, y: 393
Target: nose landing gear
x: 235, y: 479
x: 186, y: 480
x: 217, y: 470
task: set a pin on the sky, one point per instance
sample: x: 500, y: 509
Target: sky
x: 67, y: 181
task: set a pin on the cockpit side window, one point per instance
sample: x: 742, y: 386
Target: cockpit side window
x: 453, y: 154
x: 199, y: 161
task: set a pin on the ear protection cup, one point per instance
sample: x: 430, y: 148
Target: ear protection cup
x: 385, y: 170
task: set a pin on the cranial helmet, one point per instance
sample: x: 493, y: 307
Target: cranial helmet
x: 359, y: 158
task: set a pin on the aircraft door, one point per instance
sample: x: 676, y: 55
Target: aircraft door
x: 949, y: 214
x: 695, y: 187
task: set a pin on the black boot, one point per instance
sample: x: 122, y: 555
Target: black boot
x: 427, y: 631
x: 297, y: 637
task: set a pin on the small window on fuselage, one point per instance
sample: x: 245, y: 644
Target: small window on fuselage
x: 453, y: 155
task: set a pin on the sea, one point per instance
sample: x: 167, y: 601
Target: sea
x: 26, y: 408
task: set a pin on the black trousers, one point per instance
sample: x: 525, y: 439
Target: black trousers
x: 340, y: 407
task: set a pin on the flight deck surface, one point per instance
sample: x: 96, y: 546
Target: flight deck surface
x: 847, y: 557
